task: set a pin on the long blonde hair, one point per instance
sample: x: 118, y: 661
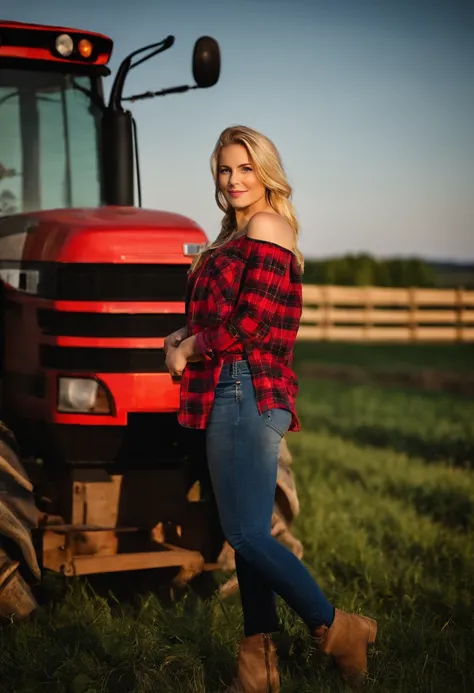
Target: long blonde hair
x: 269, y: 170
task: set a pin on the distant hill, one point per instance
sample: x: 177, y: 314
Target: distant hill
x: 453, y: 274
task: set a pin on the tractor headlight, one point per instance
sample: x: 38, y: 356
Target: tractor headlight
x: 64, y: 45
x: 82, y: 396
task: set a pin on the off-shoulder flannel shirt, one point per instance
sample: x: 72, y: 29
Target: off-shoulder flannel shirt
x: 246, y: 296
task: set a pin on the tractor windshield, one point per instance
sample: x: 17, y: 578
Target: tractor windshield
x: 49, y: 140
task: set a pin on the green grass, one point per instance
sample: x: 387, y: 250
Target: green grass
x: 387, y: 497
x: 442, y: 357
x: 435, y: 426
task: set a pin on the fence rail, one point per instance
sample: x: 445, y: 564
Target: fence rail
x: 372, y: 313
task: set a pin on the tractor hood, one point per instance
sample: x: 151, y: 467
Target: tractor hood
x: 103, y: 235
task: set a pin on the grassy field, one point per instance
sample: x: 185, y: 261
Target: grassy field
x: 428, y: 367
x: 387, y: 494
x: 458, y: 358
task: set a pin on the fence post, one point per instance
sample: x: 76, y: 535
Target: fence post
x: 325, y: 310
x: 412, y: 307
x: 460, y: 314
x: 367, y: 312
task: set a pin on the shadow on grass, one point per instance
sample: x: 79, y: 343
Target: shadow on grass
x: 425, y: 380
x: 126, y: 588
x: 459, y: 452
x: 451, y: 507
x: 84, y: 643
x: 442, y: 358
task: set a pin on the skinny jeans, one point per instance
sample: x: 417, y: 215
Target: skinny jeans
x: 242, y: 449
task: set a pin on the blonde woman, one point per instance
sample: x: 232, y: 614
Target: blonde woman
x: 235, y: 357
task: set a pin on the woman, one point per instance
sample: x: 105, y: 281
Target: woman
x: 235, y: 355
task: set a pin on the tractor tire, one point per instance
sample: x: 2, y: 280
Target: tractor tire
x: 18, y: 516
x: 16, y: 597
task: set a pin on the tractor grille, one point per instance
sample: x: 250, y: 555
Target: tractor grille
x: 99, y: 360
x: 78, y: 324
x: 109, y: 282
x: 114, y: 282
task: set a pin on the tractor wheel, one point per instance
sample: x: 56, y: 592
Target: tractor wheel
x: 18, y: 515
x: 16, y: 597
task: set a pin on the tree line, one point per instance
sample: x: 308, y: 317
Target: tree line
x: 365, y: 270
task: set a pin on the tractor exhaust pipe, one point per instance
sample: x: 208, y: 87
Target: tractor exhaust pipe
x: 118, y: 158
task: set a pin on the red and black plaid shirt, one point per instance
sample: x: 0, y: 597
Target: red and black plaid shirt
x: 245, y: 297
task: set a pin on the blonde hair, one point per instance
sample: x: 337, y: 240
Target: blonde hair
x: 269, y: 170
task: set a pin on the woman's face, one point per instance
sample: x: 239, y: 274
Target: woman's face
x: 237, y: 179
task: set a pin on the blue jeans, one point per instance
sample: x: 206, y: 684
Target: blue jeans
x: 242, y: 450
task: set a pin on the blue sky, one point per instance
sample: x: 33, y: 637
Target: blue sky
x: 371, y: 104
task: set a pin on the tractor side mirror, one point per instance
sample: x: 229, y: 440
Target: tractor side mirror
x: 206, y: 62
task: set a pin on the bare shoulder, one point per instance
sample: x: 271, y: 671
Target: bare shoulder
x: 265, y: 226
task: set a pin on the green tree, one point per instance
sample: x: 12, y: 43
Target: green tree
x: 365, y: 270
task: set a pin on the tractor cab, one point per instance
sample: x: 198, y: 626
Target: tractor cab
x: 61, y: 145
x: 50, y: 141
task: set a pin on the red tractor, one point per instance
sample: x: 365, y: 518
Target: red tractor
x: 96, y: 476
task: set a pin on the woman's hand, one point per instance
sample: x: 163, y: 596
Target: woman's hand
x: 178, y: 357
x: 175, y: 361
x: 175, y: 338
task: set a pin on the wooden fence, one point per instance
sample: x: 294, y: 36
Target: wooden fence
x: 376, y: 314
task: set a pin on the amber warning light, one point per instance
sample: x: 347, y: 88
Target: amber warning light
x: 85, y: 48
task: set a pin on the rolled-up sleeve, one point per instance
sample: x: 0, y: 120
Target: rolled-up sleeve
x: 248, y: 293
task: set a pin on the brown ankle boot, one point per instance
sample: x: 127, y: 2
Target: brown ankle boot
x: 347, y: 641
x: 257, y: 668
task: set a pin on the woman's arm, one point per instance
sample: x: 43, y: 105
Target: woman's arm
x: 225, y: 286
x: 175, y: 338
